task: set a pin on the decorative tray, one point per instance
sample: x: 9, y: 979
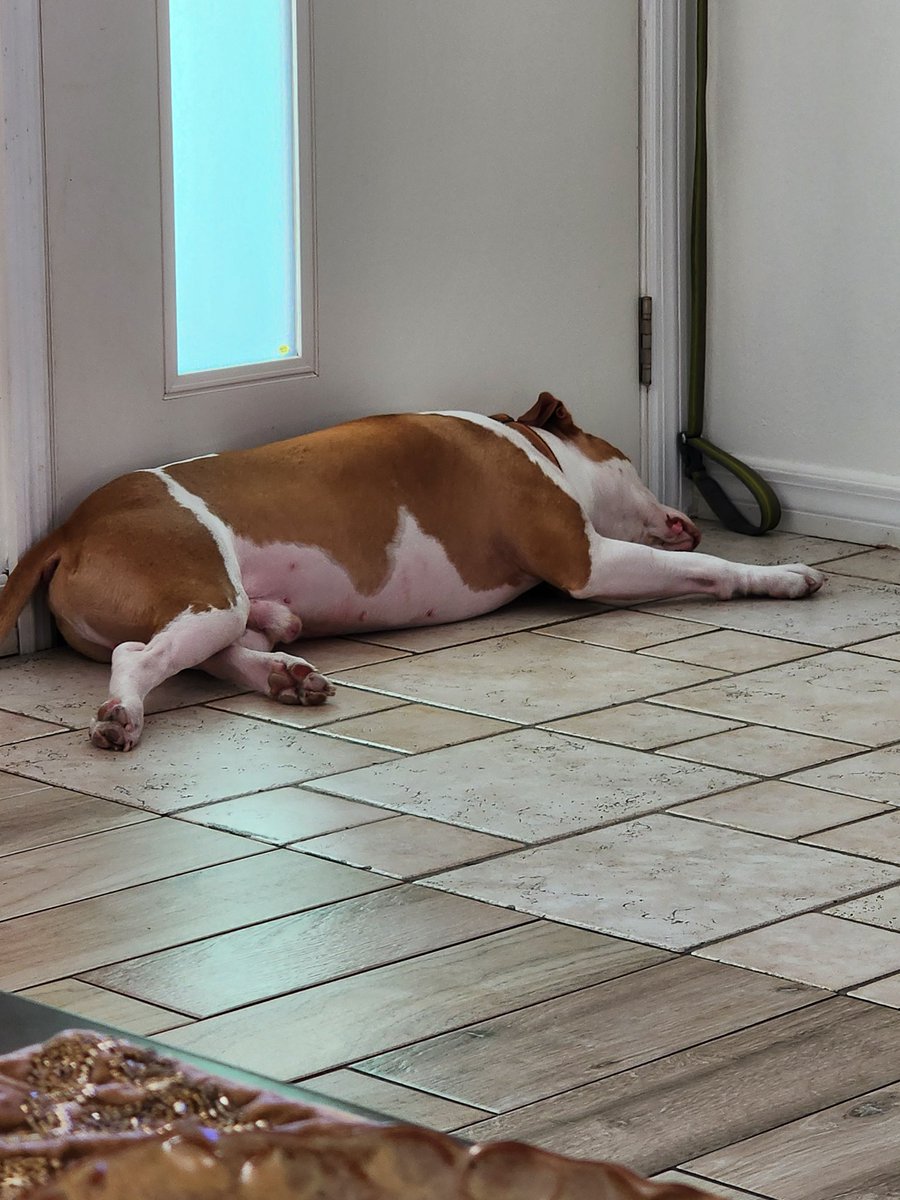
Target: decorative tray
x: 88, y: 1116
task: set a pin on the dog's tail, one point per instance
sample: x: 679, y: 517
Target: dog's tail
x: 38, y: 564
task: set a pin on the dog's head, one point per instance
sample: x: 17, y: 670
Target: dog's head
x: 606, y: 481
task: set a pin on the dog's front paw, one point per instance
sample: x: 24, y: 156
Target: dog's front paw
x: 793, y: 581
x: 115, y: 727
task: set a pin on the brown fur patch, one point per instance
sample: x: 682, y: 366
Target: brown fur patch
x: 497, y: 515
x: 132, y: 558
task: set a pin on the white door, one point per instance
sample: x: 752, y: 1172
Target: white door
x: 476, y: 224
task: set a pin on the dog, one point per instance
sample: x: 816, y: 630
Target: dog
x: 382, y: 522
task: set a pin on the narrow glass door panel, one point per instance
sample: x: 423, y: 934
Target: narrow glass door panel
x: 234, y: 180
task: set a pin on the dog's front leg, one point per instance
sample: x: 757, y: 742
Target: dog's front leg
x: 621, y: 571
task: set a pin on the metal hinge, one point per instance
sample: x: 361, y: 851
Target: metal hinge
x: 645, y: 339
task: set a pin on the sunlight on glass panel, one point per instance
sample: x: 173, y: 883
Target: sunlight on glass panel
x: 236, y: 289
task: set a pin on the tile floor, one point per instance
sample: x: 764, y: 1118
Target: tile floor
x: 622, y: 882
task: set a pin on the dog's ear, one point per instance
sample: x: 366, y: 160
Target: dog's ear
x: 550, y: 413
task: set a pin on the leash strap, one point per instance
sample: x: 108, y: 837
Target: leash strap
x: 692, y: 446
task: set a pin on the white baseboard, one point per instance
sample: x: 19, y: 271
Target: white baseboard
x: 855, y: 506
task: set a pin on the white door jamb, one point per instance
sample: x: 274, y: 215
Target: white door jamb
x: 665, y: 223
x: 26, y: 446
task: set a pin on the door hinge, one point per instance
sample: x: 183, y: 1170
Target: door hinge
x: 645, y: 339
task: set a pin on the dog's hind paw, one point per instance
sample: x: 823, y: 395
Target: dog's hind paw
x: 296, y: 682
x: 115, y: 728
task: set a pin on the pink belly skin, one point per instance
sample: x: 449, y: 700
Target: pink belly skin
x: 421, y: 586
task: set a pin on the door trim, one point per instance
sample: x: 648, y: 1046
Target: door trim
x: 26, y: 414
x: 26, y: 419
x: 664, y: 173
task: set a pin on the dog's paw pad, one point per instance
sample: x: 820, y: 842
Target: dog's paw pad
x: 114, y: 728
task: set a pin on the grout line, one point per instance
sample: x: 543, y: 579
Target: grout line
x: 407, y: 1087
x: 193, y: 940
x: 342, y: 975
x: 814, y: 1002
x: 705, y: 1179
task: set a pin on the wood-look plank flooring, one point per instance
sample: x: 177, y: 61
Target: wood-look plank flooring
x: 722, y: 1091
x: 272, y: 929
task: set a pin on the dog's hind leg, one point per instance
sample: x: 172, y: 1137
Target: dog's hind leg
x: 283, y: 677
x: 138, y: 667
x: 275, y: 620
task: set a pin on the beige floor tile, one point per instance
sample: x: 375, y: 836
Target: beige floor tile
x: 365, y: 1014
x: 285, y: 815
x: 885, y: 991
x: 347, y: 702
x: 541, y: 607
x: 761, y: 750
x: 14, y: 728
x: 107, y: 862
x: 718, y: 1092
x: 667, y: 881
x: 504, y: 785
x: 772, y: 548
x: 570, y: 1041
x: 719, y: 1190
x: 885, y: 647
x: 642, y: 725
x: 50, y: 815
x: 845, y: 696
x: 392, y: 1100
x: 106, y: 929
x: 850, y: 1150
x: 61, y: 686
x: 845, y: 610
x: 882, y: 563
x: 878, y: 838
x: 300, y: 951
x: 823, y: 951
x: 187, y: 758
x: 873, y: 776
x: 416, y: 727
x: 407, y: 847
x: 622, y: 629
x: 778, y: 808
x: 731, y: 650
x: 15, y: 785
x: 526, y: 677
x: 878, y: 908
x: 97, y: 1004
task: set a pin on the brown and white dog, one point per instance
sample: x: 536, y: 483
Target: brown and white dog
x: 389, y: 521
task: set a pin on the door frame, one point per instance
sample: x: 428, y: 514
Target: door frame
x: 666, y: 145
x: 26, y: 410
x: 26, y: 406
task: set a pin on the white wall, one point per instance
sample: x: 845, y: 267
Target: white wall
x: 804, y: 352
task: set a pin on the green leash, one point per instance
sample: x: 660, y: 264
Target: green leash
x: 692, y: 445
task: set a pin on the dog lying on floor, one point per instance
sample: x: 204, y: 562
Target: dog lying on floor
x: 383, y: 522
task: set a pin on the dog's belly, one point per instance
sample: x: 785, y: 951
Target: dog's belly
x: 421, y: 585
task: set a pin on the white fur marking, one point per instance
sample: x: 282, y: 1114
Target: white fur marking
x: 221, y: 534
x: 499, y: 429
